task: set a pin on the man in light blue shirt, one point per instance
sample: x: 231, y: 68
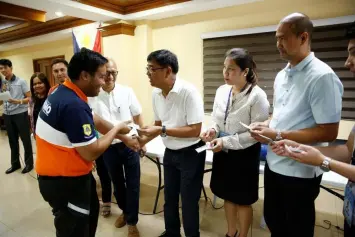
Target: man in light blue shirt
x: 307, y: 109
x: 16, y: 117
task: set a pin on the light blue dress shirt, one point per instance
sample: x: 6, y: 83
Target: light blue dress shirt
x: 17, y: 87
x: 305, y: 95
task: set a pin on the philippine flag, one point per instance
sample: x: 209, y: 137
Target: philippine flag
x: 88, y: 37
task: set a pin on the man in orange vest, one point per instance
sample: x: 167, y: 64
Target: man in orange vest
x: 67, y: 146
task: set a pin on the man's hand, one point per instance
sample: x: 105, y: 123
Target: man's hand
x: 265, y: 131
x: 12, y: 101
x: 279, y: 148
x: 208, y: 135
x: 217, y: 145
x: 143, y: 140
x: 258, y: 125
x: 124, y: 128
x: 132, y: 143
x: 308, y: 155
x: 149, y: 131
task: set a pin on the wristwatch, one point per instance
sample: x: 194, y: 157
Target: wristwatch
x: 163, y: 131
x: 325, y: 164
x: 278, y: 135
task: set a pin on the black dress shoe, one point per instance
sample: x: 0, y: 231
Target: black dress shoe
x: 164, y: 234
x: 27, y: 169
x: 12, y: 169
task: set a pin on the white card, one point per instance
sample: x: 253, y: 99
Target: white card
x: 293, y: 149
x: 244, y: 125
x: 267, y: 138
x: 204, y: 147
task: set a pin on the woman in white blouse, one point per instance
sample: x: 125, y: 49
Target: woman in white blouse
x: 235, y: 172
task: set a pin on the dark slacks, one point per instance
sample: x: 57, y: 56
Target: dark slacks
x: 74, y: 203
x: 183, y: 175
x: 123, y: 165
x: 349, y: 231
x: 105, y: 180
x: 289, y: 204
x: 17, y: 125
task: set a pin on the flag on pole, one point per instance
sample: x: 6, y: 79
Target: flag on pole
x: 88, y: 36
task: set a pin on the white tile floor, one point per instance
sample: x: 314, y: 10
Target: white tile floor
x: 23, y: 213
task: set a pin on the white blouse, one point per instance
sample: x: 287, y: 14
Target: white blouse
x: 243, y: 107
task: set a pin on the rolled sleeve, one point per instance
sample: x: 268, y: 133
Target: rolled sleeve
x: 326, y: 99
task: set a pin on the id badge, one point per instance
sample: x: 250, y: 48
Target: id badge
x: 349, y: 203
x: 223, y: 134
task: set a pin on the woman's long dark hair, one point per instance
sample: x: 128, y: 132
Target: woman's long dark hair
x: 43, y: 78
x: 244, y: 60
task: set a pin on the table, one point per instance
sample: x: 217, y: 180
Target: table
x: 155, y: 153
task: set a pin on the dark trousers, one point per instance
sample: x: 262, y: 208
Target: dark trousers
x: 123, y: 165
x: 17, y: 125
x: 349, y: 231
x: 183, y: 174
x: 105, y: 180
x: 289, y: 201
x: 74, y: 203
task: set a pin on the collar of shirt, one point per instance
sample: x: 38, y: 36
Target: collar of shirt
x: 237, y: 97
x: 176, y: 88
x: 114, y: 90
x: 13, y: 78
x: 300, y: 66
x: 76, y: 89
x: 243, y: 93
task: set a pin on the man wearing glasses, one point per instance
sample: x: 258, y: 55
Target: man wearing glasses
x: 116, y: 103
x: 178, y: 110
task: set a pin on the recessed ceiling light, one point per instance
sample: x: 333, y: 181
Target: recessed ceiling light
x: 60, y: 14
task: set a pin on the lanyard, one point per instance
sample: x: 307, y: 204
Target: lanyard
x: 226, y: 112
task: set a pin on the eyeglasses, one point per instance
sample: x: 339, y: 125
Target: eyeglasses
x: 151, y: 70
x: 113, y: 73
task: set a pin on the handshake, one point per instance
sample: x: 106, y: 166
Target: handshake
x: 137, y: 142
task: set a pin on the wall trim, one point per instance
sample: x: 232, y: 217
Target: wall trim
x: 271, y: 28
x: 117, y: 29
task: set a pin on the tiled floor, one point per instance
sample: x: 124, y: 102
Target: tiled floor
x: 23, y: 213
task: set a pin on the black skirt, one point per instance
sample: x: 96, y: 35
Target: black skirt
x: 235, y: 175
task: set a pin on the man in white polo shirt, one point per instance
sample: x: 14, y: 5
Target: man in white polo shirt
x: 307, y: 109
x: 116, y: 103
x: 179, y: 113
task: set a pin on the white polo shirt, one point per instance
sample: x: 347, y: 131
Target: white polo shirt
x: 183, y: 106
x: 121, y: 104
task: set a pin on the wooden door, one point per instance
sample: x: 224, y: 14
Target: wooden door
x: 44, y: 65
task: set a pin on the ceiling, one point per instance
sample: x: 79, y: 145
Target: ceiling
x: 6, y: 22
x: 23, y: 30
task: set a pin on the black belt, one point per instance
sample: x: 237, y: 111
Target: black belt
x: 43, y: 177
x: 194, y: 146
